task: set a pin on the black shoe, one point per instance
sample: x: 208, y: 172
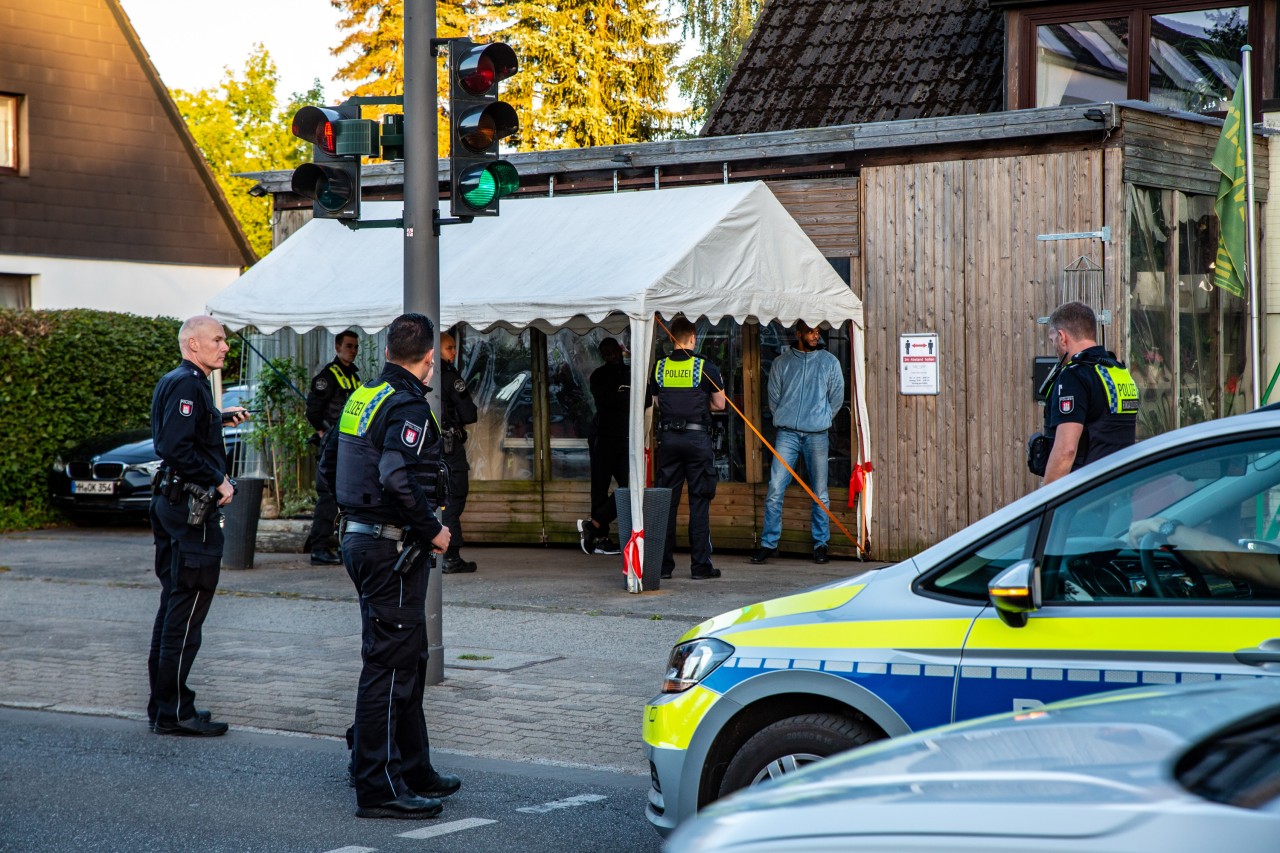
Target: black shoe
x: 762, y: 554
x: 192, y: 727
x: 444, y: 786
x: 457, y: 566
x: 587, y: 534
x: 606, y: 546
x: 820, y: 554
x: 325, y: 557
x: 665, y: 575
x: 204, y: 716
x: 714, y: 573
x: 407, y: 806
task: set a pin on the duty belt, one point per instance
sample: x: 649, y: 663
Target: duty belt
x: 679, y: 427
x: 377, y: 531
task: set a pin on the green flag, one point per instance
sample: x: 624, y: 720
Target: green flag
x: 1228, y: 158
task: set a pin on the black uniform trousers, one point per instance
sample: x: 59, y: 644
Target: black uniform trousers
x: 609, y: 461
x: 187, y: 564
x: 391, y: 752
x: 325, y: 517
x: 459, y: 486
x: 688, y: 457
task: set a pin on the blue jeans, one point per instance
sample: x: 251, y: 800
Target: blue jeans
x: 790, y: 444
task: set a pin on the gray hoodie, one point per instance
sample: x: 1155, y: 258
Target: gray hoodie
x: 806, y: 389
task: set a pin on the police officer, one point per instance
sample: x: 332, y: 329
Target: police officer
x: 186, y: 523
x: 459, y: 410
x: 687, y: 389
x: 1091, y: 408
x: 386, y: 471
x: 330, y: 389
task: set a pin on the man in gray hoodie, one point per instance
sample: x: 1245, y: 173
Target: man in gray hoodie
x: 806, y: 389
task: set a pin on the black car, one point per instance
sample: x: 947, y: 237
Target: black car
x: 108, y: 477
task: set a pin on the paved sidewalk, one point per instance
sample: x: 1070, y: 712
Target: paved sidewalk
x: 547, y: 657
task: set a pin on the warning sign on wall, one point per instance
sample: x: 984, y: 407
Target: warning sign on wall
x: 918, y: 363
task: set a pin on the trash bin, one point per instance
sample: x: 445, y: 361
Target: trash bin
x: 657, y: 503
x: 240, y: 523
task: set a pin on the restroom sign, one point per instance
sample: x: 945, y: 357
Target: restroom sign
x: 918, y: 363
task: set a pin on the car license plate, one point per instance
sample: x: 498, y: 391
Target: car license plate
x: 93, y: 487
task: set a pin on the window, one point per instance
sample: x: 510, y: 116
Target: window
x: 970, y: 577
x: 1187, y: 338
x: 10, y: 108
x: 1201, y: 526
x: 15, y: 291
x: 1185, y: 59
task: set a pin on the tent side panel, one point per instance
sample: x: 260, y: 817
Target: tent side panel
x: 914, y: 265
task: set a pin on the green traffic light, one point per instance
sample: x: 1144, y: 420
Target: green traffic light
x: 482, y: 186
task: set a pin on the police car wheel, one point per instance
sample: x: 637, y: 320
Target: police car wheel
x: 789, y: 744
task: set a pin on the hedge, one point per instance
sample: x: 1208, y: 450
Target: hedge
x: 66, y: 376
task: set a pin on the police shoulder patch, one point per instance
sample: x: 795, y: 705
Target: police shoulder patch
x: 411, y: 434
x: 460, y: 386
x: 185, y: 408
x: 320, y: 384
x: 1066, y: 405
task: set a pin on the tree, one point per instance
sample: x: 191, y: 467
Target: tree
x: 721, y: 28
x: 593, y: 72
x: 239, y: 128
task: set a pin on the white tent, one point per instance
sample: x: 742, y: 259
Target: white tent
x: 577, y: 262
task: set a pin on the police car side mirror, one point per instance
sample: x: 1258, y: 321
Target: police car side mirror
x: 1015, y: 592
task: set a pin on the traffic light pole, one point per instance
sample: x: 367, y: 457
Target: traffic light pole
x: 421, y: 238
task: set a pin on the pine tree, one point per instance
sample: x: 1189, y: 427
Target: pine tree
x: 592, y: 72
x: 721, y: 28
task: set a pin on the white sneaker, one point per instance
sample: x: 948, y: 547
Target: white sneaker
x: 587, y: 535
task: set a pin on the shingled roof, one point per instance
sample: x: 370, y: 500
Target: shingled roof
x: 817, y: 63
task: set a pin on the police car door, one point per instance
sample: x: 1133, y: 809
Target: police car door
x: 1118, y: 613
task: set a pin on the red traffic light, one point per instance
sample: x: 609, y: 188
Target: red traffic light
x: 315, y: 125
x: 485, y: 66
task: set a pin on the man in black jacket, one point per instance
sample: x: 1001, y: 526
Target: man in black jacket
x: 329, y: 391
x: 185, y: 523
x: 459, y: 411
x: 611, y: 391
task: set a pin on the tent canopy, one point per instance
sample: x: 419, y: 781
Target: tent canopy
x: 576, y: 262
x: 569, y: 262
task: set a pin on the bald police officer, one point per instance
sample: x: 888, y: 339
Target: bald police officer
x: 186, y: 524
x: 687, y: 389
x: 329, y: 391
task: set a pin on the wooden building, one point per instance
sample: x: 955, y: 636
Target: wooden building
x: 105, y: 201
x: 951, y: 216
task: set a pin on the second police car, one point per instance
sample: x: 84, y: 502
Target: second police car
x: 1156, y: 565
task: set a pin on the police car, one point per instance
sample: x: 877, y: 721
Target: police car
x: 1158, y: 564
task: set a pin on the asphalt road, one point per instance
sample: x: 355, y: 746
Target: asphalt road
x: 83, y: 783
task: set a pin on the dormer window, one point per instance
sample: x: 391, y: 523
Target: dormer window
x: 1183, y: 56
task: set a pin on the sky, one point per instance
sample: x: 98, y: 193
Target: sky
x: 191, y: 43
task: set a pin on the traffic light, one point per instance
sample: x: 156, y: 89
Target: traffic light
x: 340, y: 138
x: 478, y: 179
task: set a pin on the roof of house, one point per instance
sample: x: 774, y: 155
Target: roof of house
x: 817, y: 63
x: 112, y: 171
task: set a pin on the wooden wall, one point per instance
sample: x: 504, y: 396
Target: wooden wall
x: 950, y: 247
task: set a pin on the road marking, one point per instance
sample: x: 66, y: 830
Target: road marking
x: 568, y: 803
x: 354, y: 850
x: 446, y: 828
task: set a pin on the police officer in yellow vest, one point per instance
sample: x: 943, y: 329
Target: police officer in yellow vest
x: 330, y: 389
x: 1092, y: 406
x: 687, y: 389
x: 388, y: 479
